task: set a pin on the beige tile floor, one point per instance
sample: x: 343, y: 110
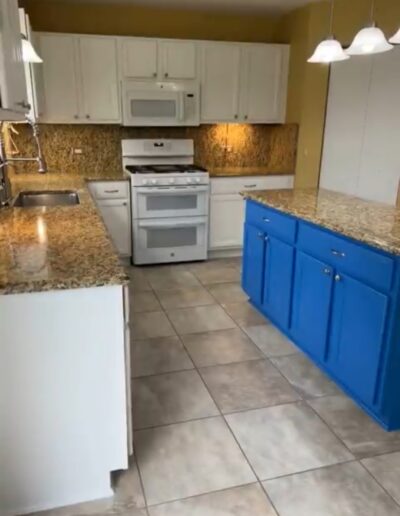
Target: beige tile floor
x: 231, y: 419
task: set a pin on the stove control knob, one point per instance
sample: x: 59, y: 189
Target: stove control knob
x: 188, y: 180
x: 144, y: 182
x: 172, y: 181
x: 197, y: 180
x: 154, y: 181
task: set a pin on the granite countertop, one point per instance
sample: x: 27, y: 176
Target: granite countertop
x: 245, y: 171
x: 370, y: 222
x: 55, y: 248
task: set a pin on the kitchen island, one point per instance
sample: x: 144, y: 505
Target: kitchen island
x: 64, y: 352
x: 324, y: 267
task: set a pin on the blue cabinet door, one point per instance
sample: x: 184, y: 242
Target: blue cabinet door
x: 278, y: 277
x: 311, y: 304
x: 253, y: 263
x: 357, y: 333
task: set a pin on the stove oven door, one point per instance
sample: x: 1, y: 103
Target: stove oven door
x: 170, y: 201
x: 170, y: 240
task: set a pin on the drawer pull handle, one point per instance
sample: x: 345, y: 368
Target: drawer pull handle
x: 338, y: 277
x: 260, y: 235
x: 266, y: 219
x: 338, y: 253
x: 327, y: 271
x: 111, y: 191
x: 250, y: 186
x: 266, y: 238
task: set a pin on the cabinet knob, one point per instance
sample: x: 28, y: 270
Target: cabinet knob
x: 266, y: 238
x: 266, y: 219
x: 236, y: 117
x: 340, y: 254
x: 87, y: 116
x: 24, y: 104
x: 260, y: 235
x: 76, y: 117
x: 166, y: 74
x: 246, y: 117
x: 338, y: 277
x: 327, y: 271
x: 154, y: 74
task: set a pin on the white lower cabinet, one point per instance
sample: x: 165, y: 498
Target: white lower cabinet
x: 113, y: 201
x: 227, y: 207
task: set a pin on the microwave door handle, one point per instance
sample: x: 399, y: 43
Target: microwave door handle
x: 181, y: 106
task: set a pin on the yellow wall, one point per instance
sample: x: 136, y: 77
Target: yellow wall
x: 308, y: 83
x: 148, y: 21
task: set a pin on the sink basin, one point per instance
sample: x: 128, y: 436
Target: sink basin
x: 46, y: 198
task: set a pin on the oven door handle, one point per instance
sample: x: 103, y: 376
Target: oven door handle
x: 172, y: 191
x: 170, y: 225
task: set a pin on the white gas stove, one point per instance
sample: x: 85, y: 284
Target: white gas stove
x: 170, y: 201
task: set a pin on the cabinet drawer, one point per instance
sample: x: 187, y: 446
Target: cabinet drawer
x: 271, y: 221
x: 110, y: 189
x: 372, y: 267
x: 227, y: 185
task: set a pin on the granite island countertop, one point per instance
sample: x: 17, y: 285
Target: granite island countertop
x: 373, y: 223
x: 56, y: 248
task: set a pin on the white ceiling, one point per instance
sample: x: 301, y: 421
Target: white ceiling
x: 246, y: 6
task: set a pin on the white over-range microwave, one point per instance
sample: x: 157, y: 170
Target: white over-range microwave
x: 170, y: 103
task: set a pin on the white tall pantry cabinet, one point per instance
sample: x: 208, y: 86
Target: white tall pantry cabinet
x: 362, y: 134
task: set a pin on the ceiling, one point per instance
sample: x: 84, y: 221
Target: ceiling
x: 245, y: 6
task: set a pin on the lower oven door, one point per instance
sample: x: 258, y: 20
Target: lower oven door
x: 170, y: 240
x: 170, y: 201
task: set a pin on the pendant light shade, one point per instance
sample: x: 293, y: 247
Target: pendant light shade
x: 328, y: 51
x: 29, y: 54
x: 370, y: 40
x: 395, y: 40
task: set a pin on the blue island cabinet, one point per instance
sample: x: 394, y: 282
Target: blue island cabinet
x: 336, y: 298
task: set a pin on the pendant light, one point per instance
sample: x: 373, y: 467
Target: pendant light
x: 370, y: 40
x: 329, y: 50
x: 395, y: 40
x: 29, y: 54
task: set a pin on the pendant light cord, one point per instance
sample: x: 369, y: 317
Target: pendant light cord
x: 331, y: 22
x: 372, y: 11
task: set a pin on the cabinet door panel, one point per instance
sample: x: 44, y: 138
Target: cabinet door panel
x: 220, y: 78
x: 139, y: 58
x: 253, y: 263
x: 278, y: 276
x: 116, y: 216
x: 311, y: 304
x: 13, y: 94
x: 263, y: 86
x: 226, y: 221
x: 59, y: 78
x: 99, y: 79
x: 358, y: 322
x: 178, y: 59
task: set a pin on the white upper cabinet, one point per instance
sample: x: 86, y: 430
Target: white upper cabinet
x: 60, y: 82
x: 244, y: 82
x: 163, y: 59
x: 98, y: 64
x: 80, y: 78
x: 13, y: 94
x: 264, y: 83
x: 220, y: 69
x: 178, y: 59
x: 140, y: 58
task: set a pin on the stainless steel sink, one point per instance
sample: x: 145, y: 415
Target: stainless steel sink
x: 46, y: 198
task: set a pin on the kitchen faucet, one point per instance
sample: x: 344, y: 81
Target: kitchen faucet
x: 5, y: 185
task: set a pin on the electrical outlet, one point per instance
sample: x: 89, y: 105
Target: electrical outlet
x: 76, y: 151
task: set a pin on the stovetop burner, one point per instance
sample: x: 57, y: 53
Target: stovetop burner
x: 164, y: 169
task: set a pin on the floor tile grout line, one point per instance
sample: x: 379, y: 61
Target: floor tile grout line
x: 174, y: 500
x: 378, y: 482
